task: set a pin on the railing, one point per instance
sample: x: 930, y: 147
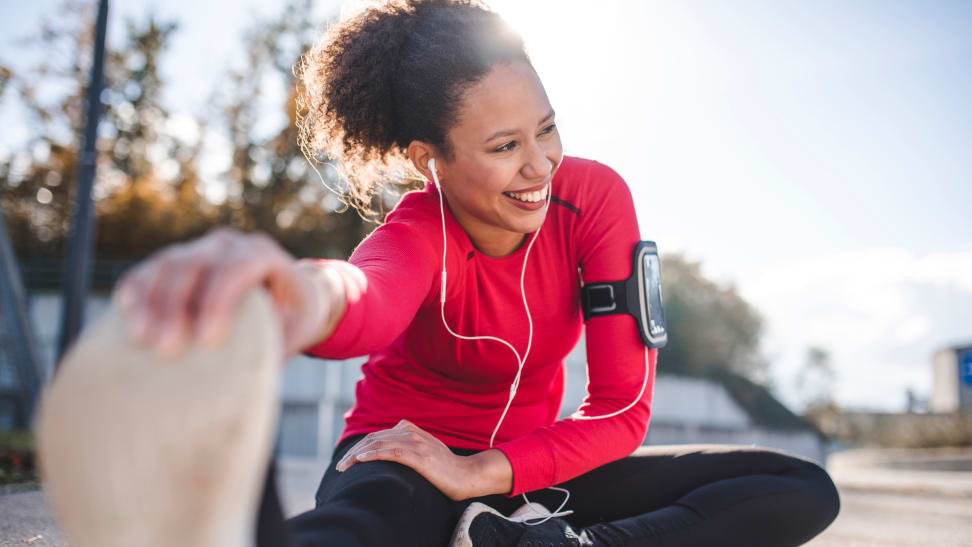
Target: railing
x: 47, y: 273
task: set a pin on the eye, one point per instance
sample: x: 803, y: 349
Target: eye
x: 506, y: 147
x: 549, y: 129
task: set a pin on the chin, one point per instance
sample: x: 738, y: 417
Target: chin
x: 530, y: 224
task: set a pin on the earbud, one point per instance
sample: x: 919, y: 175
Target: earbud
x: 435, y: 176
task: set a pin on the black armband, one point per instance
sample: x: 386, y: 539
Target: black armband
x: 638, y: 296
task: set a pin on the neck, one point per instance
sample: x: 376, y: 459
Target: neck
x: 495, y: 246
x: 487, y: 239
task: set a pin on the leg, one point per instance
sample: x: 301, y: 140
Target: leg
x: 704, y: 495
x: 375, y: 503
x: 271, y: 530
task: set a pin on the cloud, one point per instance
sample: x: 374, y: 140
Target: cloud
x: 880, y: 312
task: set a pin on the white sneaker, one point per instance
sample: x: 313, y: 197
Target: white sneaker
x: 136, y: 449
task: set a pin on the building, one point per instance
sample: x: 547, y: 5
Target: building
x: 952, y: 379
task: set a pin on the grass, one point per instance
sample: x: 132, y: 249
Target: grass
x: 17, y: 463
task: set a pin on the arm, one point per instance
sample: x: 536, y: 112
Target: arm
x: 616, y: 356
x: 388, y: 277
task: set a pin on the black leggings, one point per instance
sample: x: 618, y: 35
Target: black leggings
x: 692, y: 495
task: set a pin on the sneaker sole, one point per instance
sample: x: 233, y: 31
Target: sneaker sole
x: 139, y: 449
x: 460, y: 537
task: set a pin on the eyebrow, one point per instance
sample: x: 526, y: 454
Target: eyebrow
x: 505, y: 132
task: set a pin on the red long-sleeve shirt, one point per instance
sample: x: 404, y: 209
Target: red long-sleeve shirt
x: 457, y: 389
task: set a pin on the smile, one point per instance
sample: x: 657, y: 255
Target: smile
x: 530, y: 197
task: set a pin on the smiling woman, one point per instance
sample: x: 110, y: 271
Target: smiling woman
x: 443, y: 90
x: 466, y: 301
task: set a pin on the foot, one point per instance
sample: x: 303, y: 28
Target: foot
x: 481, y: 525
x: 140, y: 449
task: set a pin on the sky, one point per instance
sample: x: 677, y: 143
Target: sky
x: 816, y: 155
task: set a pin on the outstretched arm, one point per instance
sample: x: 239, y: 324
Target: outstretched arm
x: 388, y: 277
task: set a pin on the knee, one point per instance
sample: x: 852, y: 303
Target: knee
x: 385, y: 502
x: 823, y: 498
x: 385, y: 485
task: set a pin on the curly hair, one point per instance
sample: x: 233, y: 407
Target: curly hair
x: 390, y: 74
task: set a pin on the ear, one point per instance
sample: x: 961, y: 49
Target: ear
x: 419, y: 153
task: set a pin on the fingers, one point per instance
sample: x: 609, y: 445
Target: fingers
x: 130, y: 295
x: 191, y: 290
x: 389, y: 444
x: 225, y: 283
x: 178, y: 311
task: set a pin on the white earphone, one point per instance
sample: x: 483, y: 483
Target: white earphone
x: 520, y: 360
x: 435, y: 176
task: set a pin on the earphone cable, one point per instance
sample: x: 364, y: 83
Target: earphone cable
x: 520, y: 360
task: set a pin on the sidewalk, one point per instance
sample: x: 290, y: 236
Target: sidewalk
x: 297, y: 481
x: 25, y: 516
x: 936, y: 472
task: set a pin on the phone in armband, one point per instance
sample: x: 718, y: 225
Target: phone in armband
x: 640, y: 296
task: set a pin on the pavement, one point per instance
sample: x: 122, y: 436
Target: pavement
x: 932, y: 472
x: 890, y: 519
x: 889, y: 498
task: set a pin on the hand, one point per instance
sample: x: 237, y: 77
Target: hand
x: 190, y: 291
x: 410, y: 445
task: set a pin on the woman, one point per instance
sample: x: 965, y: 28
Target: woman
x: 467, y: 300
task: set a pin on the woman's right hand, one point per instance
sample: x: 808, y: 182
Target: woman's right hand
x: 190, y: 291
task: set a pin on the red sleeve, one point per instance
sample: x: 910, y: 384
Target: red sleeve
x: 386, y: 280
x: 616, y: 359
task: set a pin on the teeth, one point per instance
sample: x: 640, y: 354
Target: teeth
x: 530, y: 197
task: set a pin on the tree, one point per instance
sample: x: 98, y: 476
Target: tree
x: 273, y: 187
x: 815, y: 381
x: 709, y: 326
x: 149, y: 192
x: 144, y: 193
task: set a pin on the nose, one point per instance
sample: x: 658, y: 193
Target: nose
x: 538, y: 165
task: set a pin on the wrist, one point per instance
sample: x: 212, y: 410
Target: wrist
x: 492, y: 473
x: 326, y: 300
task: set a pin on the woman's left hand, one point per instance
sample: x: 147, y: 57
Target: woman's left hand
x: 410, y: 445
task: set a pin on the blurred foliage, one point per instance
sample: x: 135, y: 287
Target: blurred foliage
x: 149, y: 190
x: 709, y: 326
x: 816, y: 381
x: 17, y: 465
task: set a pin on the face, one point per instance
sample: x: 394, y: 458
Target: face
x: 506, y: 149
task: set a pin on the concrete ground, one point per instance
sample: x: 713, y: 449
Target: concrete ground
x: 886, y: 519
x: 883, y: 503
